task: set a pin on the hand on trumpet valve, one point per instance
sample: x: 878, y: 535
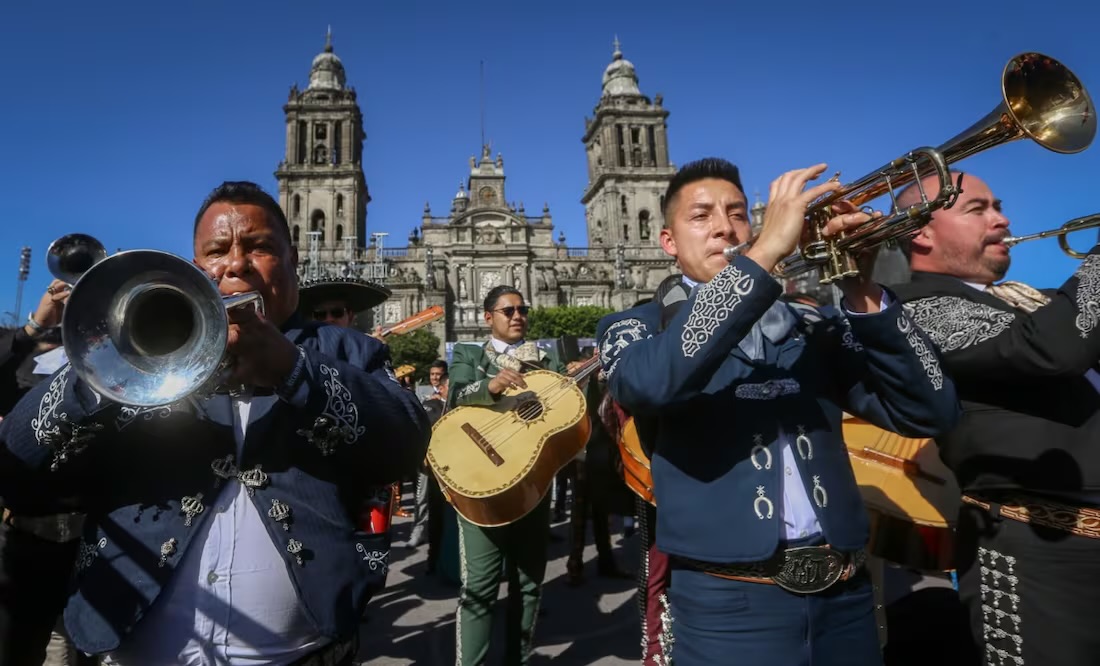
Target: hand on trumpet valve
x: 52, y: 305
x: 261, y: 355
x: 785, y: 217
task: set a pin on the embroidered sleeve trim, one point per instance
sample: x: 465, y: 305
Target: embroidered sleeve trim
x: 713, y: 304
x: 618, y: 337
x: 339, y: 405
x: 926, y: 356
x: 1088, y: 295
x: 954, y: 323
x: 470, y: 389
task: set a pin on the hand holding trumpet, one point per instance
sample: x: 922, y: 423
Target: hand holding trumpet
x: 785, y: 226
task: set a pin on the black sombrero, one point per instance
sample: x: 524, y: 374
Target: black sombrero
x: 359, y: 294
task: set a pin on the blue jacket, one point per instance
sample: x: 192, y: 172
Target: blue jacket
x: 718, y: 421
x: 147, y: 479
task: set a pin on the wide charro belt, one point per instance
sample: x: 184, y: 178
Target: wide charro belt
x: 1079, y: 520
x: 332, y: 654
x: 803, y: 570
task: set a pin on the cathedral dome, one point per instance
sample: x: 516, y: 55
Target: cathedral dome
x: 327, y: 72
x: 620, y: 78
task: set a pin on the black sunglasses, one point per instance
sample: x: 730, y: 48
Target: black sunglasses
x: 512, y: 309
x: 335, y: 313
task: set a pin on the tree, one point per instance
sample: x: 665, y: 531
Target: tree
x: 417, y: 348
x: 576, y: 320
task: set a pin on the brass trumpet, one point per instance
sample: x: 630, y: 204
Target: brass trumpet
x: 1041, y: 100
x: 1076, y: 224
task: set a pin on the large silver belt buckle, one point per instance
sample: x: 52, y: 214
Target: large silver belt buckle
x: 810, y: 569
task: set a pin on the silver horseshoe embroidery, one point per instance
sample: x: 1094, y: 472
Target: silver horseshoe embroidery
x: 803, y: 441
x: 758, y: 446
x: 761, y: 499
x: 820, y: 496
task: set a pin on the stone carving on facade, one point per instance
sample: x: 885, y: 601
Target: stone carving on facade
x: 393, y: 312
x: 489, y: 279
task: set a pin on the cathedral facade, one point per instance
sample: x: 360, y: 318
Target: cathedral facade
x: 484, y: 239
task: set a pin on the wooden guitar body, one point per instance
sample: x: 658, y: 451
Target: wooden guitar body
x: 496, y: 462
x: 912, y: 498
x: 636, y: 471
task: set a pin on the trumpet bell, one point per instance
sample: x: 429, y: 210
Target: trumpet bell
x: 70, y: 256
x: 1048, y: 103
x: 145, y: 328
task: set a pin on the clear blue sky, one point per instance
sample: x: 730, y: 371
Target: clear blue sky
x: 119, y: 116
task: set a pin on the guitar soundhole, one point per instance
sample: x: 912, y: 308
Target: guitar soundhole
x: 529, y: 410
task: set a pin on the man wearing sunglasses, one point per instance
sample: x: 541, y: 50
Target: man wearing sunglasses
x: 479, y: 374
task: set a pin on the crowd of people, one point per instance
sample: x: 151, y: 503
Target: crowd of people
x: 254, y: 524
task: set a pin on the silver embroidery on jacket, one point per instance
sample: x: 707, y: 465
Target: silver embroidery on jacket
x: 87, y: 553
x: 47, y: 425
x: 927, y: 356
x: 1000, y: 608
x: 666, y: 637
x: 340, y: 406
x: 954, y: 323
x: 618, y: 337
x: 848, y: 338
x: 1088, y: 295
x: 470, y: 389
x: 713, y: 304
x: 761, y: 500
x: 128, y: 414
x: 377, y: 560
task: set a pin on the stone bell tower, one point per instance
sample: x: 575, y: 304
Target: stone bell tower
x: 322, y: 188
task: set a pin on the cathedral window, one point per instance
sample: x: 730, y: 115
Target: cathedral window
x: 340, y: 205
x: 296, y: 206
x: 621, y: 144
x: 338, y: 141
x: 622, y: 205
x: 303, y: 141
x: 652, y: 146
x: 317, y: 223
x: 636, y: 156
x: 643, y: 224
x: 626, y: 233
x: 295, y: 234
x: 339, y: 232
x: 320, y: 132
x: 320, y: 154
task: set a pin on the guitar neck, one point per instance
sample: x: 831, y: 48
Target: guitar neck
x: 586, y: 368
x: 418, y: 320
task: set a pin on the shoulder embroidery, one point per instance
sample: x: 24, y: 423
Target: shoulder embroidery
x: 339, y: 406
x: 713, y: 304
x: 618, y: 337
x: 927, y: 356
x: 1088, y: 295
x: 955, y: 323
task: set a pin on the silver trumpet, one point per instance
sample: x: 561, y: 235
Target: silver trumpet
x: 146, y: 328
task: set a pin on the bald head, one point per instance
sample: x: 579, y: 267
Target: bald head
x: 966, y: 240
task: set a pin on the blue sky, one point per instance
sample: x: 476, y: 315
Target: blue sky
x: 119, y: 116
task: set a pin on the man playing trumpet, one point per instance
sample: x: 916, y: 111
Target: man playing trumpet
x: 220, y: 528
x: 1026, y: 451
x: 741, y: 398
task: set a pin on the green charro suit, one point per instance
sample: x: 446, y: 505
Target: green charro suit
x: 520, y: 546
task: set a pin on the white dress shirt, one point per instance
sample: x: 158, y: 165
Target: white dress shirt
x: 231, y: 601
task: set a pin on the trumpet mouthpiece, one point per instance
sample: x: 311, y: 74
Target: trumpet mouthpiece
x: 731, y: 252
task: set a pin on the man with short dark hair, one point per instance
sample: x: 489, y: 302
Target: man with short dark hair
x: 741, y: 399
x: 1025, y: 453
x: 221, y: 528
x: 479, y: 375
x: 430, y: 503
